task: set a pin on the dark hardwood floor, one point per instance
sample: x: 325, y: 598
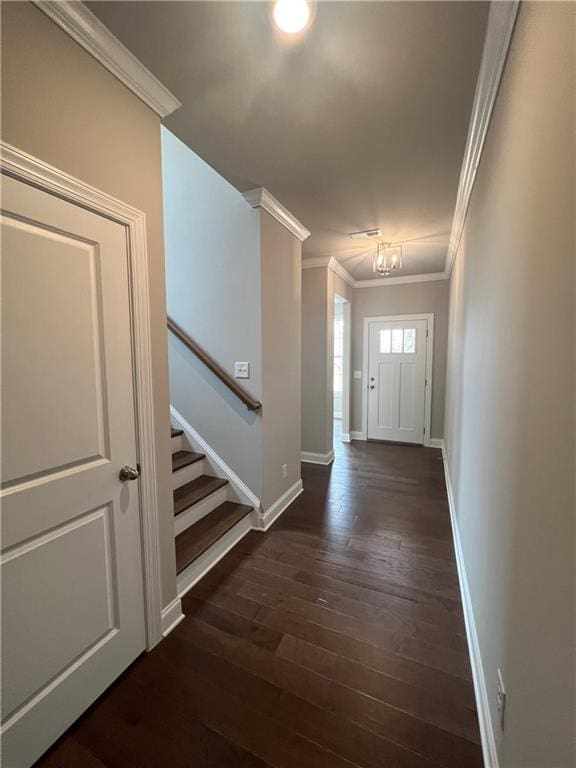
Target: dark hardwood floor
x: 335, y: 639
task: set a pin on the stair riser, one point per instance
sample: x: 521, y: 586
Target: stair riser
x: 194, y: 572
x: 177, y: 444
x: 191, y: 515
x: 187, y: 474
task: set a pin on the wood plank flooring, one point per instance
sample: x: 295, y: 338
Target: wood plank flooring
x: 336, y: 639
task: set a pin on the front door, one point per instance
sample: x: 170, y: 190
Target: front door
x: 72, y: 585
x: 397, y: 380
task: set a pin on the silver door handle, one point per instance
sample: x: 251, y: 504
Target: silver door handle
x: 128, y: 473
x: 371, y: 386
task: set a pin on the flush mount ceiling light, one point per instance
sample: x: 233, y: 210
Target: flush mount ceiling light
x: 387, y: 258
x: 291, y: 16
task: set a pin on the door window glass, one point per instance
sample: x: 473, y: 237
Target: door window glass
x: 385, y: 341
x: 409, y: 341
x: 398, y: 341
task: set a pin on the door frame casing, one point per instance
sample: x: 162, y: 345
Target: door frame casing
x: 24, y: 167
x: 429, y: 318
x: 346, y: 366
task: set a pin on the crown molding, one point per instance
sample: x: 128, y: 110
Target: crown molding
x: 501, y: 20
x: 342, y: 272
x: 330, y: 263
x: 380, y: 282
x: 261, y: 198
x: 84, y: 27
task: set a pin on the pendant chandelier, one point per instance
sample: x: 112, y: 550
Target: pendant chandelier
x: 387, y: 258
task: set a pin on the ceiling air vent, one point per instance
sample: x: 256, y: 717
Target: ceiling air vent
x: 365, y: 234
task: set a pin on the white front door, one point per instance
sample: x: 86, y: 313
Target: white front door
x: 72, y: 586
x: 396, y: 380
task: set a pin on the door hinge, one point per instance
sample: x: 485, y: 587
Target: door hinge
x: 425, y: 382
x: 427, y: 332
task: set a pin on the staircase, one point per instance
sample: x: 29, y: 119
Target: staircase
x: 207, y: 522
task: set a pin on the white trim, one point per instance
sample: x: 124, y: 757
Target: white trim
x: 261, y: 198
x: 221, y: 469
x: 185, y: 475
x: 280, y: 505
x: 84, y: 27
x: 429, y: 317
x: 380, y: 282
x: 355, y: 435
x: 436, y: 442
x: 190, y: 516
x: 200, y: 567
x: 171, y: 616
x: 341, y: 271
x: 346, y: 364
x: 318, y: 458
x: 29, y: 169
x: 501, y: 20
x: 489, y: 752
x: 345, y: 437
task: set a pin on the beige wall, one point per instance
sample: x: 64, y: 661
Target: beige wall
x: 60, y: 105
x: 315, y: 381
x: 410, y: 298
x: 281, y: 283
x: 319, y: 286
x: 510, y: 394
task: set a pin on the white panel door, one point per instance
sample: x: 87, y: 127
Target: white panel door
x: 72, y: 586
x: 397, y: 380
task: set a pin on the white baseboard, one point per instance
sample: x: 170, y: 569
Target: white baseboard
x: 200, y: 567
x: 345, y: 437
x: 489, y: 752
x: 280, y: 505
x: 357, y: 435
x: 171, y: 616
x: 436, y: 442
x: 317, y: 458
x: 218, y: 465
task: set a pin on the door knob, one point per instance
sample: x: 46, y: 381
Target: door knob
x: 371, y: 386
x: 128, y: 473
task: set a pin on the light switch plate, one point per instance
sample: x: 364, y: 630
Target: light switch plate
x: 357, y: 374
x: 242, y: 370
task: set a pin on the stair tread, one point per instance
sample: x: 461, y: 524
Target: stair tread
x: 194, y: 541
x: 196, y: 490
x: 181, y: 459
x: 176, y: 432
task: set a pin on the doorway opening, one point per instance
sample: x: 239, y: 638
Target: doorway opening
x: 341, y: 369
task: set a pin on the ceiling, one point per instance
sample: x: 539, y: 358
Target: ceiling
x: 359, y: 123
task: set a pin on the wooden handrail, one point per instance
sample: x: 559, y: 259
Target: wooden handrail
x: 224, y: 376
